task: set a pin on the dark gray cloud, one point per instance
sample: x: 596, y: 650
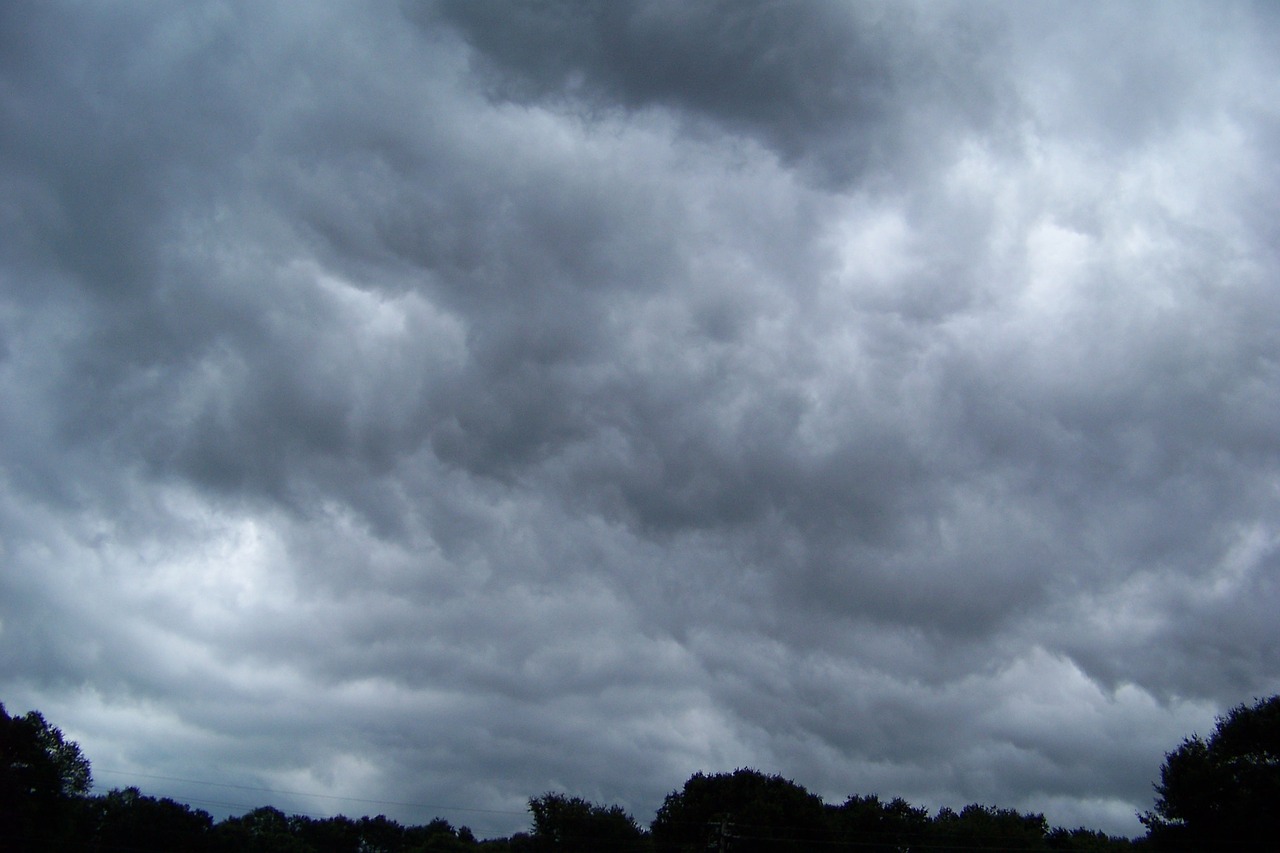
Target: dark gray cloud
x: 837, y: 88
x: 443, y: 403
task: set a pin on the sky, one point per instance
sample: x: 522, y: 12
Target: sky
x: 413, y: 408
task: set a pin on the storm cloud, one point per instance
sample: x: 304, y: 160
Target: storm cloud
x: 413, y: 408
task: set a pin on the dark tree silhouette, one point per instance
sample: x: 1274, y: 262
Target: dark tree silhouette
x: 1222, y: 793
x: 878, y: 827
x: 746, y: 809
x: 988, y: 827
x: 264, y: 830
x: 338, y: 834
x: 42, y: 778
x: 572, y: 824
x: 129, y: 820
x: 1082, y: 840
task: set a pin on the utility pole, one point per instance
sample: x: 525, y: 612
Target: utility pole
x: 720, y: 835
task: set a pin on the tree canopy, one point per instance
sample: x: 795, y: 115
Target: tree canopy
x: 754, y: 810
x: 1223, y: 792
x: 572, y: 824
x: 41, y: 774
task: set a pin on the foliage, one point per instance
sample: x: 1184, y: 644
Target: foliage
x: 130, y: 820
x: 263, y: 830
x: 753, y: 810
x: 35, y: 755
x: 989, y: 827
x: 1222, y: 793
x: 572, y: 824
x: 1083, y: 840
x: 875, y: 826
x: 338, y: 834
x: 42, y: 777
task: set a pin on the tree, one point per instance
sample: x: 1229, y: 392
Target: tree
x: 381, y: 834
x: 875, y: 826
x: 439, y: 836
x: 266, y: 829
x: 129, y: 820
x: 1222, y: 793
x: 746, y: 809
x: 572, y: 824
x: 1082, y: 840
x: 43, y: 777
x: 338, y: 834
x: 988, y: 827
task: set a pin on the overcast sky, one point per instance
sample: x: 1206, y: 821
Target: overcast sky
x: 417, y: 407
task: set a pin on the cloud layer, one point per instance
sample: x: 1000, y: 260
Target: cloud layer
x: 444, y: 403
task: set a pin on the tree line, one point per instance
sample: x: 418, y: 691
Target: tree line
x: 1215, y: 793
